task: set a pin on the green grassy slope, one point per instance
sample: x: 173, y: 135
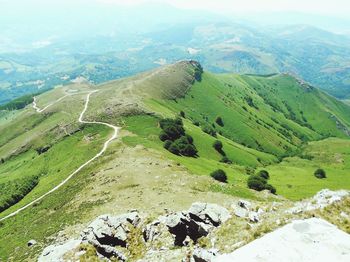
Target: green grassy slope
x: 271, y: 114
x: 295, y: 179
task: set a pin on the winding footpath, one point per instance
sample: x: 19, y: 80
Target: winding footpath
x: 81, y: 120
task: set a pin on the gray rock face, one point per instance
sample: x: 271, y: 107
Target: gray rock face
x: 109, y: 230
x: 194, y: 224
x: 106, y: 232
x: 203, y: 255
x: 209, y: 213
x: 241, y: 212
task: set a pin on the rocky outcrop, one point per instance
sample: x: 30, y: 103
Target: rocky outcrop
x: 106, y: 232
x: 243, y: 209
x: 193, y: 224
x: 112, y: 236
x: 321, y: 200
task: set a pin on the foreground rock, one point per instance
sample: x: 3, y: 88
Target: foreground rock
x: 107, y: 232
x: 197, y: 222
x: 56, y: 253
x: 300, y: 241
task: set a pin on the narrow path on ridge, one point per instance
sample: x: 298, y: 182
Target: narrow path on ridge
x: 81, y: 120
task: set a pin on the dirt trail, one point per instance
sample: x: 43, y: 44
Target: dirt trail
x: 81, y: 120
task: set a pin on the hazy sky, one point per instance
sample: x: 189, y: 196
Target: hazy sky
x: 325, y: 7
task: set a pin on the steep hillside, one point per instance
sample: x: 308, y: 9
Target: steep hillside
x: 274, y: 114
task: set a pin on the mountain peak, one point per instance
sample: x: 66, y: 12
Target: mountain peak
x: 169, y: 81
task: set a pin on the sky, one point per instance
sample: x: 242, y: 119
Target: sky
x: 339, y: 8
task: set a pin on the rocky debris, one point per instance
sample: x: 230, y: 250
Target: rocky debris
x: 56, y: 253
x: 203, y: 255
x: 322, y: 199
x: 31, y: 242
x: 254, y: 217
x: 209, y: 213
x: 107, y: 232
x: 302, y: 241
x: 244, y: 204
x: 197, y: 222
x: 243, y: 210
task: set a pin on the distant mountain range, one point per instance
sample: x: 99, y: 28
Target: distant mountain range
x: 319, y: 57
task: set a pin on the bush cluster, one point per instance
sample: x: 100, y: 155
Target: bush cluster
x: 209, y: 130
x: 258, y: 182
x: 219, y: 175
x: 320, y: 173
x: 218, y: 146
x: 219, y: 121
x: 175, y: 139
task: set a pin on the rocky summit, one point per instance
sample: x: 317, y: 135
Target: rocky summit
x: 194, y: 235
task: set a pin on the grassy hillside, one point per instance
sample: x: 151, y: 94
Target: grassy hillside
x: 294, y: 177
x: 274, y: 122
x: 272, y: 114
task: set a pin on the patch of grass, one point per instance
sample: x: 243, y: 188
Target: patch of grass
x: 294, y: 177
x: 136, y: 244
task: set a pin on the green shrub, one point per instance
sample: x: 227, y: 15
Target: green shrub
x: 174, y: 132
x: 219, y: 121
x: 320, y: 173
x: 190, y: 139
x: 173, y: 148
x: 188, y: 150
x: 218, y: 145
x: 185, y: 147
x: 219, y: 175
x: 163, y: 136
x: 167, y: 144
x: 175, y: 139
x: 271, y: 188
x: 225, y: 160
x: 172, y: 128
x: 257, y: 183
x: 264, y: 174
x: 209, y: 130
